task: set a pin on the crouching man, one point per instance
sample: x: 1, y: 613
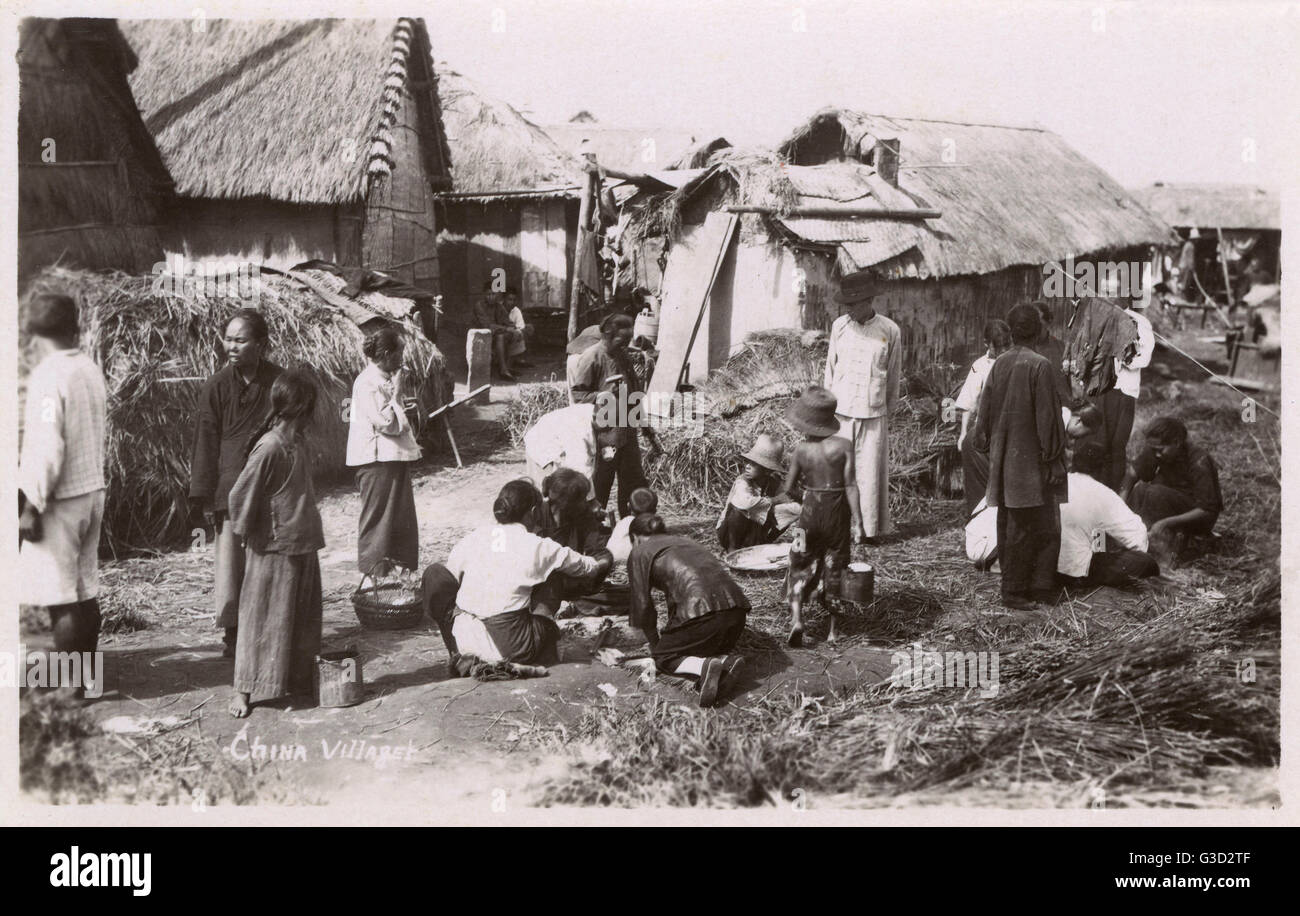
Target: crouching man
x: 1174, y: 486
x: 492, y: 600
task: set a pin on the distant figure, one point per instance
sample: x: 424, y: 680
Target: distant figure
x: 975, y: 464
x: 1119, y: 403
x: 606, y: 378
x: 864, y: 365
x: 517, y: 347
x: 61, y: 482
x: 749, y: 516
x: 491, y: 312
x: 273, y: 509
x: 233, y: 404
x: 1103, y: 541
x: 1019, y: 426
x: 382, y: 447
x: 1050, y: 347
x: 706, y: 608
x: 830, y: 521
x: 1174, y: 486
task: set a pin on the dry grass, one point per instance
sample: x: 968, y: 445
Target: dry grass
x: 532, y: 402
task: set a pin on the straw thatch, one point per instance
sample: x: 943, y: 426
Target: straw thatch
x: 699, y: 155
x: 1213, y: 206
x: 156, y: 348
x: 632, y: 149
x: 300, y: 111
x: 497, y: 151
x: 1008, y: 196
x: 90, y: 178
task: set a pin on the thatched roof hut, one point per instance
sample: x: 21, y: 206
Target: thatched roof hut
x: 297, y: 139
x: 514, y: 206
x: 1009, y: 200
x: 1213, y: 206
x: 91, y: 183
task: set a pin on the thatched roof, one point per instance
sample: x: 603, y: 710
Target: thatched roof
x: 1213, y: 206
x: 698, y: 155
x: 623, y: 148
x: 1008, y: 196
x: 496, y: 151
x: 91, y: 178
x: 291, y: 110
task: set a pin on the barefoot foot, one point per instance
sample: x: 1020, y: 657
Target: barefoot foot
x: 239, y: 705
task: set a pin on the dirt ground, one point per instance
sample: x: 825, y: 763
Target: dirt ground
x: 423, y: 738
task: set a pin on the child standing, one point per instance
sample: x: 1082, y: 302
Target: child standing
x: 273, y: 510
x: 749, y: 517
x: 831, y: 518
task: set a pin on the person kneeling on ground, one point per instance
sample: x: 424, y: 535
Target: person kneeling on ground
x: 572, y: 519
x: 1093, y: 516
x: 492, y: 599
x: 751, y: 516
x: 706, y: 608
x: 1174, y: 486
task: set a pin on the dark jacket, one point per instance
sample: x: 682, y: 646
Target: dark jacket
x: 1193, y: 474
x: 1103, y: 333
x: 273, y: 504
x: 229, y: 413
x: 694, y: 582
x: 591, y: 377
x: 1019, y: 426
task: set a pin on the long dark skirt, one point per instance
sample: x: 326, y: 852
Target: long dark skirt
x: 279, y: 625
x: 387, y: 529
x: 712, y: 634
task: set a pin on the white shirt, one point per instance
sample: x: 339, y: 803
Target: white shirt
x: 969, y: 396
x: 564, y: 437
x: 498, y: 566
x: 63, y: 429
x: 620, y: 541
x: 1128, y: 376
x: 864, y: 363
x: 378, y: 429
x: 1094, y: 509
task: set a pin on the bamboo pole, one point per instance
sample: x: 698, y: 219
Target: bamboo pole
x: 1223, y: 262
x: 584, y: 227
x: 839, y: 212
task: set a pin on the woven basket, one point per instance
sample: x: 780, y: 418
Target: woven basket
x: 386, y: 607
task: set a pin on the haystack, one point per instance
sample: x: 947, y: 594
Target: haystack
x: 156, y: 349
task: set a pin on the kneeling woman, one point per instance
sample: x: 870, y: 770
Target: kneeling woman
x: 484, y: 598
x: 706, y: 608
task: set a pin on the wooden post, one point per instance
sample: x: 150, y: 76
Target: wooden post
x: 589, y: 192
x: 1223, y: 262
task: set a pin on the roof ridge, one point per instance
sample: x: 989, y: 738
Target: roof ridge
x: 381, y: 161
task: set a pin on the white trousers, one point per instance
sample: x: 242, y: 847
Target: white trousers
x: 870, y: 438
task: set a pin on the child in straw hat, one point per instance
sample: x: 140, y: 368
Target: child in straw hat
x: 831, y: 518
x: 749, y: 515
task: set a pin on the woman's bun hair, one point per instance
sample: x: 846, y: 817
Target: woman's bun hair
x: 515, y: 501
x: 382, y: 342
x: 647, y: 524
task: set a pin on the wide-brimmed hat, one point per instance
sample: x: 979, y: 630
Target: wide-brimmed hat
x: 768, y: 452
x: 814, y: 412
x: 858, y: 287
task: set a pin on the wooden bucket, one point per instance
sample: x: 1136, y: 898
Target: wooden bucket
x: 858, y: 583
x: 338, y: 678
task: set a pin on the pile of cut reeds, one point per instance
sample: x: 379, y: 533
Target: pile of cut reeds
x: 156, y: 349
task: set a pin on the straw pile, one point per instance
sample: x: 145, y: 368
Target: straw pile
x: 156, y: 349
x: 749, y: 394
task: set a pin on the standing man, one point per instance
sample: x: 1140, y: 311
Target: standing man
x: 1019, y: 425
x: 606, y: 378
x: 863, y: 368
x: 61, y: 480
x: 233, y: 405
x: 1119, y: 403
x: 1050, y: 347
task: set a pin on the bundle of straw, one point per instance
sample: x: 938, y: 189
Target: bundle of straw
x: 156, y: 349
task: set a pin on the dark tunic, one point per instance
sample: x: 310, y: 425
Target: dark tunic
x: 1175, y: 486
x: 591, y: 377
x: 1019, y: 426
x: 693, y: 581
x: 229, y: 413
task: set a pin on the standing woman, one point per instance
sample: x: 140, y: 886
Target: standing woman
x: 381, y: 446
x: 233, y: 405
x: 706, y: 608
x: 273, y: 509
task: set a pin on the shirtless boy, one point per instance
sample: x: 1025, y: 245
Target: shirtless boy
x: 831, y: 518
